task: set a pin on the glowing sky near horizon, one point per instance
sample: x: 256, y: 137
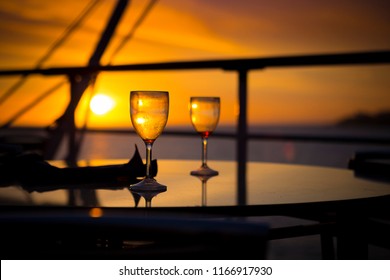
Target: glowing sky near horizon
x: 187, y: 30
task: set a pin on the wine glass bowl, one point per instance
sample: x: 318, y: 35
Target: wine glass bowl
x: 149, y: 115
x: 204, y: 113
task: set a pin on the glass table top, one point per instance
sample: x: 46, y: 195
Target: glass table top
x: 267, y: 184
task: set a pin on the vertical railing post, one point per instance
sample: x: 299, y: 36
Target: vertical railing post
x: 78, y: 84
x: 242, y: 137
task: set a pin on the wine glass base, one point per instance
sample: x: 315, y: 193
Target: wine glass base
x: 148, y: 185
x: 204, y: 171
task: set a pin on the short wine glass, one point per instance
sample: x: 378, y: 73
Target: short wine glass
x: 149, y: 115
x: 204, y: 113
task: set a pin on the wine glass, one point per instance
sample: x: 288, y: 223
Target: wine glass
x: 204, y: 113
x: 149, y: 115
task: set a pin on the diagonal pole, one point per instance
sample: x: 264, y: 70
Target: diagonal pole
x: 65, y: 125
x: 51, y: 50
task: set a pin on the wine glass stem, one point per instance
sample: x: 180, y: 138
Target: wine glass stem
x: 148, y: 203
x: 148, y: 146
x: 204, y: 151
x: 204, y: 195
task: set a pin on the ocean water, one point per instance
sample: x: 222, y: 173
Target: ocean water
x: 122, y: 146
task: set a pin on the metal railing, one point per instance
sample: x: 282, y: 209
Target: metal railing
x: 241, y: 67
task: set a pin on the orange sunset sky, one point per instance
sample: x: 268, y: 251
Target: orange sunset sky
x: 186, y: 30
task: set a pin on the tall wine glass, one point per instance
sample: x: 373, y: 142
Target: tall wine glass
x: 149, y: 115
x: 204, y: 112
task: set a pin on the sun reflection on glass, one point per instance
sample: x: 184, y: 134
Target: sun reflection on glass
x: 140, y: 120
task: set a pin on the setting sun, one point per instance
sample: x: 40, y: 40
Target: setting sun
x: 101, y: 103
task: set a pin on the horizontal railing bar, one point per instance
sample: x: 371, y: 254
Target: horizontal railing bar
x: 325, y: 139
x: 232, y: 135
x: 266, y: 136
x: 374, y: 57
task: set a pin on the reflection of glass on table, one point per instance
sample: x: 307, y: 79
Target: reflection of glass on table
x: 204, y: 180
x: 147, y: 195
